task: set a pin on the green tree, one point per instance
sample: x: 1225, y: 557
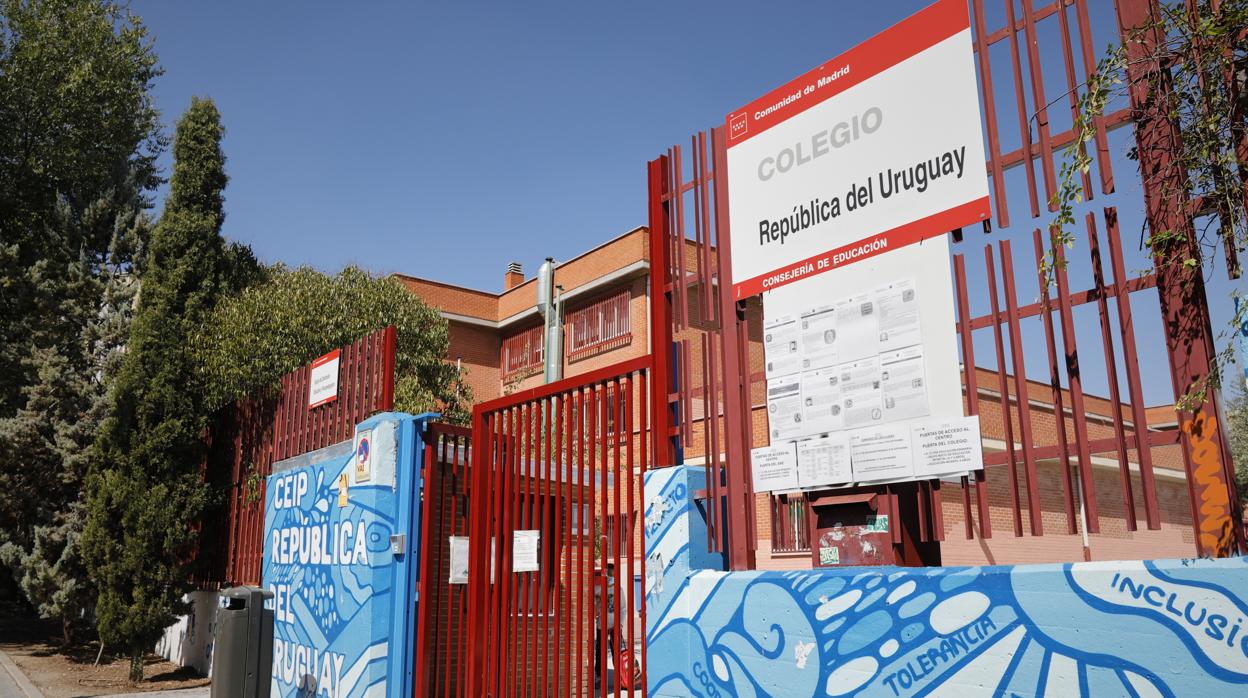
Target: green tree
x: 78, y: 141
x: 252, y: 339
x: 145, y: 489
x: 1237, y: 433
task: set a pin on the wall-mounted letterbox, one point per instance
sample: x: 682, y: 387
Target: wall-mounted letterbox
x: 868, y: 526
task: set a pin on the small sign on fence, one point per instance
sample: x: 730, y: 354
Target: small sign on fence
x: 323, y: 383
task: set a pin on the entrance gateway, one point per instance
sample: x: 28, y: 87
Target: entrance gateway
x: 542, y: 498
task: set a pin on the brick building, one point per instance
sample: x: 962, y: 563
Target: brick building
x: 498, y: 339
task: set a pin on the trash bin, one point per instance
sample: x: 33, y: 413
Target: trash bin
x: 242, y: 654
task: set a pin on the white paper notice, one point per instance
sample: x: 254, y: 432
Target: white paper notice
x: 819, y: 338
x: 902, y: 385
x: 881, y: 453
x: 856, y: 330
x: 781, y: 345
x: 774, y: 468
x: 897, y: 308
x: 822, y: 410
x: 824, y: 461
x: 784, y: 408
x: 860, y: 392
x: 946, y: 447
x: 524, y: 545
x: 459, y: 560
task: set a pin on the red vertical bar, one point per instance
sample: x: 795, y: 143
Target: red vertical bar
x: 390, y: 348
x: 1024, y: 127
x: 1103, y: 164
x: 660, y: 311
x: 550, y: 429
x: 1075, y: 381
x: 680, y: 303
x: 524, y: 513
x: 972, y: 401
x: 1003, y: 385
x: 1055, y: 386
x: 561, y: 466
x: 990, y: 116
x: 472, y: 664
x: 464, y: 491
x: 705, y: 269
x: 712, y: 439
x: 630, y: 516
x: 1020, y: 391
x: 643, y: 465
x: 591, y: 510
x: 1111, y: 372
x: 1126, y: 330
x: 1072, y: 86
x: 581, y: 518
x: 422, y: 640
x: 1041, y: 114
x: 708, y: 460
x: 737, y: 416
x: 601, y: 447
x: 616, y: 544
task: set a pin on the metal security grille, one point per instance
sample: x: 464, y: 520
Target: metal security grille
x: 522, y: 352
x: 562, y: 462
x: 603, y: 325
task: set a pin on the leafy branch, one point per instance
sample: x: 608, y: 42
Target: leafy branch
x: 1192, y: 72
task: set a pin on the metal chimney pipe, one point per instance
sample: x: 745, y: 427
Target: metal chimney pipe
x: 549, y: 306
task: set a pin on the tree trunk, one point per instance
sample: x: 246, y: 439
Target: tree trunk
x: 67, y: 631
x: 136, y: 666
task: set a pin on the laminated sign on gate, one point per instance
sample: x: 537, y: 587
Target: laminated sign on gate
x: 874, y: 150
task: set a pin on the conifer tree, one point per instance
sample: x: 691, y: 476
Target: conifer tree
x: 146, y: 490
x: 78, y: 141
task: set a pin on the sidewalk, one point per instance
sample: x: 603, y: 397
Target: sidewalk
x: 13, y: 682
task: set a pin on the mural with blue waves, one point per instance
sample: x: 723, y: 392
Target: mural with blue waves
x: 1130, y: 628
x: 342, y: 606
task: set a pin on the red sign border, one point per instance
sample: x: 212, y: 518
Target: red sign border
x: 901, y: 236
x: 321, y: 361
x: 902, y: 41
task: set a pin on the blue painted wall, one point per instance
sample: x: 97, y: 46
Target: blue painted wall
x: 1163, y: 628
x: 344, y: 603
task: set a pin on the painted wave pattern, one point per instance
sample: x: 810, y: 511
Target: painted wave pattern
x: 328, y: 599
x: 1096, y: 629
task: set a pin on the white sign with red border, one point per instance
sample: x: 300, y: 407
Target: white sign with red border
x: 323, y: 383
x: 876, y: 149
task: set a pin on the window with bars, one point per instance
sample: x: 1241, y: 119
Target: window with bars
x: 523, y: 353
x: 600, y: 326
x: 788, y: 524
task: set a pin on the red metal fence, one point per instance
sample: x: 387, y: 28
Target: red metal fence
x: 251, y: 434
x: 443, y: 613
x: 706, y: 363
x: 564, y: 460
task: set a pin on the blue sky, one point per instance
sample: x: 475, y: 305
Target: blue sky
x: 446, y: 139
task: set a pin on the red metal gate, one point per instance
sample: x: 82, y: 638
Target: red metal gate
x: 563, y: 463
x: 442, y: 612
